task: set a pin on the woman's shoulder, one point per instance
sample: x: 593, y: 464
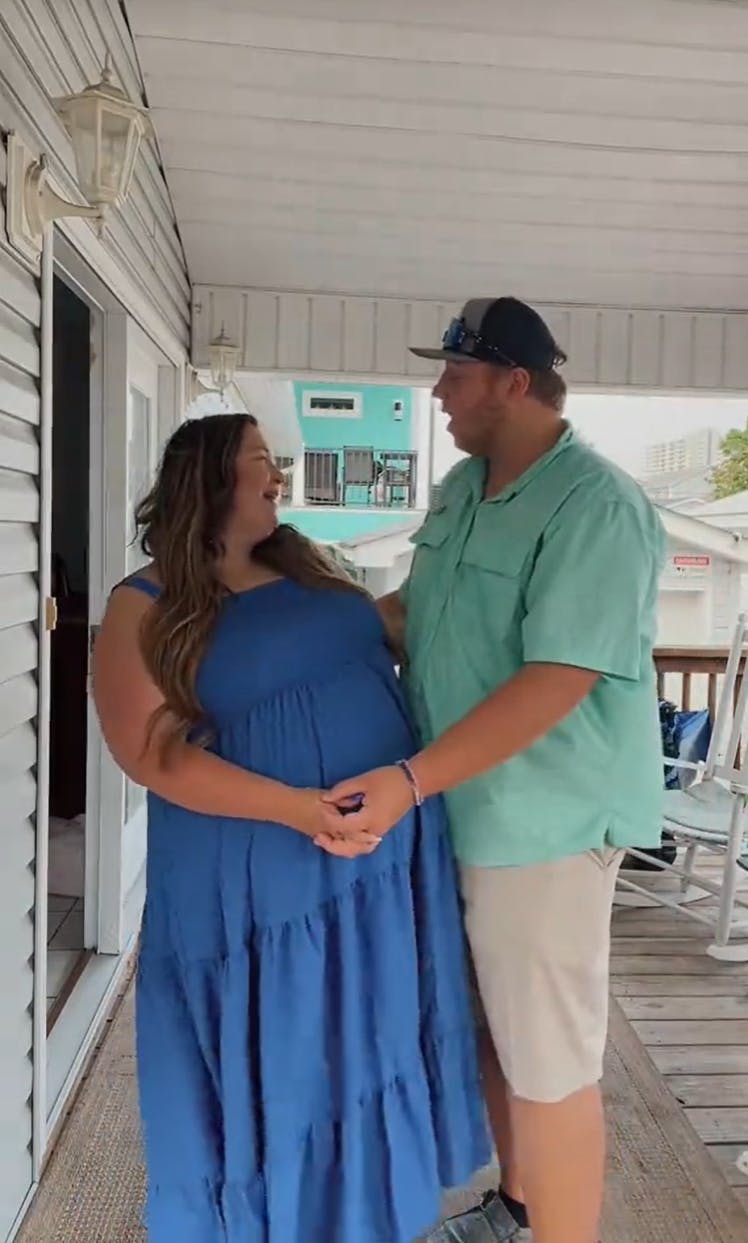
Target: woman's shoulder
x: 144, y: 580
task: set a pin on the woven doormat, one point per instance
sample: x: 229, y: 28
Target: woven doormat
x: 663, y: 1186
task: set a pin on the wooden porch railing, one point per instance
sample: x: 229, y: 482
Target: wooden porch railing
x: 708, y: 664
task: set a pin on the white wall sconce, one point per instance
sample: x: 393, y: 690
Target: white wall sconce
x: 106, y: 130
x: 223, y: 356
x: 195, y: 389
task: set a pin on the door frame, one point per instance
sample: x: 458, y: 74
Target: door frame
x: 122, y: 846
x: 59, y: 260
x: 39, y: 1132
x: 116, y: 337
x: 109, y: 392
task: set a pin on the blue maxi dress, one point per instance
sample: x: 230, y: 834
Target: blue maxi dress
x: 306, y: 1053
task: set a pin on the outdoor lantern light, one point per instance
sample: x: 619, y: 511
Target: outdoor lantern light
x: 223, y: 355
x: 106, y: 129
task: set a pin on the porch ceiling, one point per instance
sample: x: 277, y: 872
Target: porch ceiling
x: 568, y: 150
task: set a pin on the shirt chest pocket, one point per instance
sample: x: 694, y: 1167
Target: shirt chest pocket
x: 490, y: 588
x: 430, y: 571
x: 431, y: 547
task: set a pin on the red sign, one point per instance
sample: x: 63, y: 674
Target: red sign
x: 692, y: 561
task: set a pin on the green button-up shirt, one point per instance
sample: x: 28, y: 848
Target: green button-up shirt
x: 562, y: 568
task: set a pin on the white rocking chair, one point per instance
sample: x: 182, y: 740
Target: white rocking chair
x: 710, y: 815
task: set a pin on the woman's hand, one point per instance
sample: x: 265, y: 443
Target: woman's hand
x: 328, y: 826
x: 383, y: 797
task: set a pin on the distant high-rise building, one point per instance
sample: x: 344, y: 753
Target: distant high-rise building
x: 691, y: 453
x: 678, y: 470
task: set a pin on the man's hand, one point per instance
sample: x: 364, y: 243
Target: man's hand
x: 328, y: 826
x: 385, y: 796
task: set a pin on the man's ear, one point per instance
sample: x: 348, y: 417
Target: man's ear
x: 519, y: 383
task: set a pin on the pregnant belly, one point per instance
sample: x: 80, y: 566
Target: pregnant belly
x: 315, y: 736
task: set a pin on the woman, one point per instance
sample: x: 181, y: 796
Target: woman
x: 306, y: 1059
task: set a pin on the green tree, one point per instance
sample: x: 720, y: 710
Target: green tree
x: 730, y: 475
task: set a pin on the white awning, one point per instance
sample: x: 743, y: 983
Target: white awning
x: 568, y: 151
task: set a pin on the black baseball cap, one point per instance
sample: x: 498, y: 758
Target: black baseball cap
x: 503, y: 331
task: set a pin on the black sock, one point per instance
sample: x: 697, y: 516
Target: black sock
x: 516, y: 1208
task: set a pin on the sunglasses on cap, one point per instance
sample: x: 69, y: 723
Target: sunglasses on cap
x: 458, y: 336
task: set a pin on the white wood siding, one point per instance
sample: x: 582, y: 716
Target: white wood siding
x: 19, y: 507
x: 682, y: 620
x: 726, y: 584
x: 609, y: 348
x: 50, y: 48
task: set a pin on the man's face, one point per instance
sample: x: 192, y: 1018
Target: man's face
x: 477, y: 396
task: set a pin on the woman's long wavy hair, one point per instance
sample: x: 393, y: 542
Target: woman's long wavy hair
x: 180, y: 524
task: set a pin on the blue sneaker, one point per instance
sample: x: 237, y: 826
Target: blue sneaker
x: 489, y: 1222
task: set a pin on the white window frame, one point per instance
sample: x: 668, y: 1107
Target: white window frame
x: 325, y: 395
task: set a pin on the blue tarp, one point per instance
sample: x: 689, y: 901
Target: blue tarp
x: 685, y: 735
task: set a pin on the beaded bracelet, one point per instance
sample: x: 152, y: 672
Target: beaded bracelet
x: 412, y: 782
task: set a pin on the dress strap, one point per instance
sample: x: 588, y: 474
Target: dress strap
x: 142, y: 584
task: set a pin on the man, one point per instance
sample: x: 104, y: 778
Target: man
x: 529, y: 620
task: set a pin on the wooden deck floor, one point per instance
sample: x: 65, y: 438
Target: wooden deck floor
x: 691, y: 1014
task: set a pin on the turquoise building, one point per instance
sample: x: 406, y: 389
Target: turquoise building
x: 360, y: 459
x: 333, y: 416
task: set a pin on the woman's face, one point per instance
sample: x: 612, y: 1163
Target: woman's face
x: 258, y: 485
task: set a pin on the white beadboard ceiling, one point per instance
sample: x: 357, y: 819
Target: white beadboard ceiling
x: 575, y: 151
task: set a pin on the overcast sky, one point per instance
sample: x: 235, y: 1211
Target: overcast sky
x: 621, y: 427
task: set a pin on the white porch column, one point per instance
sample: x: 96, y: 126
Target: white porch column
x: 422, y: 440
x: 297, y: 481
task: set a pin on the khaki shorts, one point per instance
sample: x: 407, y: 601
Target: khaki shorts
x: 540, y: 942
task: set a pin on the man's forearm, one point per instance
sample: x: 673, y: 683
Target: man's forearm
x: 509, y: 721
x: 392, y: 613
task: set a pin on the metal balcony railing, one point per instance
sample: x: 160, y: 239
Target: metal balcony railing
x: 361, y: 477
